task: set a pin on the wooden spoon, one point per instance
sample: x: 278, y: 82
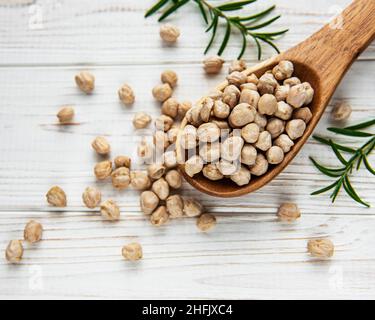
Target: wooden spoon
x: 322, y: 60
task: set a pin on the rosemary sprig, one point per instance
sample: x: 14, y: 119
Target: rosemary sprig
x: 358, y: 156
x: 213, y: 15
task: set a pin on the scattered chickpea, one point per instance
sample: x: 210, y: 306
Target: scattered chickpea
x: 206, y: 222
x: 264, y: 141
x: 193, y: 165
x: 91, y: 197
x: 275, y: 127
x: 241, y: 115
x: 170, y: 77
x: 284, y: 111
x: 295, y: 128
x: 103, y: 169
x: 213, y: 65
x: 288, y: 212
x: 170, y: 107
x: 248, y: 155
x: 122, y: 161
x: 275, y: 155
x: 320, y: 248
x: 341, y: 111
x: 170, y: 159
x: 33, y: 231
x: 303, y: 114
x: 163, y: 123
x: 161, y: 140
x: 161, y: 188
x: 149, y: 201
x: 85, y: 81
x: 121, y: 178
x: 110, y: 210
x: 101, y: 146
x: 126, y: 95
x: 139, y: 180
x: 56, y: 197
x: 132, y: 252
x: 267, y: 104
x: 160, y: 216
x: 155, y: 171
x: 14, y: 251
x: 260, y: 167
x: 237, y: 65
x: 211, y: 172
x: 162, y: 92
x: 284, y: 142
x: 65, y: 115
x: 192, y: 208
x: 175, y: 206
x: 283, y: 70
x: 169, y: 33
x: 174, y: 179
x: 141, y: 120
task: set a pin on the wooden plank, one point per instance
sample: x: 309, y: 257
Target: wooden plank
x: 114, y: 32
x: 246, y: 256
x: 37, y: 153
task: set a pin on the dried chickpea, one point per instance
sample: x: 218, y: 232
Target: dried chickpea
x: 145, y: 150
x: 227, y: 168
x: 101, y: 146
x: 297, y: 96
x: 169, y: 33
x: 283, y: 70
x: 260, y: 167
x: 170, y: 107
x: 206, y: 222
x: 85, y: 81
x: 126, y: 95
x: 320, y: 248
x: 161, y: 140
x: 173, y: 134
x: 141, y: 120
x: 267, y: 104
x: 216, y: 94
x: 170, y: 77
x: 91, y: 197
x: 295, y: 128
x: 208, y: 132
x: 288, y: 212
x: 149, y: 201
x: 132, y: 252
x: 260, y: 120
x: 237, y: 65
x: 264, y: 141
x: 103, y: 169
x: 193, y: 165
x: 341, y: 111
x: 56, y: 197
x: 175, y: 206
x: 221, y: 110
x: 211, y: 172
x: 284, y: 111
x: 160, y: 216
x: 222, y: 124
x: 193, y: 116
x: 14, y: 251
x: 293, y: 81
x: 163, y: 123
x: 303, y: 114
x: 121, y: 178
x: 241, y: 177
x: 250, y: 97
x: 231, y: 95
x: 161, y: 188
x: 192, y: 208
x: 189, y: 137
x: 162, y: 92
x: 213, y: 65
x: 275, y: 155
x: 284, y: 142
x: 170, y: 159
x: 33, y: 231
x: 174, y: 179
x: 253, y: 79
x: 210, y: 152
x: 267, y: 84
x: 110, y: 210
x: 231, y: 148
x: 309, y: 92
x: 122, y: 161
x: 275, y: 127
x: 281, y: 92
x: 184, y: 107
x: 248, y: 155
x: 155, y: 171
x: 249, y: 86
x: 237, y: 78
x: 65, y: 115
x: 139, y: 180
x: 241, y: 115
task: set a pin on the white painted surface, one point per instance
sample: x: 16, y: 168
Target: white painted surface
x: 249, y: 255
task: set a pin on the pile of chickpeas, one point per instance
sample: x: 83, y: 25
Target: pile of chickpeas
x: 245, y: 128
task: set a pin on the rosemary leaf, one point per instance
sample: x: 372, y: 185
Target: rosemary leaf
x: 351, y: 192
x: 213, y: 25
x: 172, y: 9
x: 264, y: 24
x: 338, y: 146
x: 367, y: 165
x: 257, y: 15
x: 362, y: 125
x: 328, y: 172
x: 325, y: 189
x: 234, y: 5
x: 337, y: 153
x: 226, y: 39
x: 203, y: 11
x: 157, y: 6
x: 349, y: 132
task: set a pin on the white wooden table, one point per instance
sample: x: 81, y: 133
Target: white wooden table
x: 250, y: 255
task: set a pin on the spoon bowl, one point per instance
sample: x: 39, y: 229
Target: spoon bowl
x: 322, y: 60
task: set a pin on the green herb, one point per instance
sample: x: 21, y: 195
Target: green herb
x: 213, y: 15
x: 357, y: 157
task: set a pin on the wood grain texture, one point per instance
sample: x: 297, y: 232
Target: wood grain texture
x: 248, y: 255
